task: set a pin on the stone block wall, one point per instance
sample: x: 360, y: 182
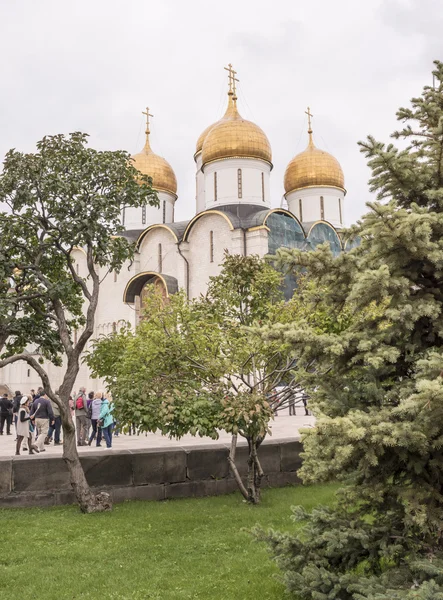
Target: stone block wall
x: 148, y: 474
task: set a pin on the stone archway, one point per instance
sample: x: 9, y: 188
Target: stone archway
x: 4, y: 389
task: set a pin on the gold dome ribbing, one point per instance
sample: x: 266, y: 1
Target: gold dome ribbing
x: 234, y: 137
x: 157, y: 167
x: 312, y: 168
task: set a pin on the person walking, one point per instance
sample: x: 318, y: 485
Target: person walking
x: 5, y: 414
x: 107, y: 419
x: 95, y: 416
x: 16, y: 407
x: 55, y: 427
x: 23, y: 429
x: 42, y: 415
x: 292, y: 405
x: 81, y: 419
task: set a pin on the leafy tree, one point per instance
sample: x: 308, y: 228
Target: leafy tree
x: 379, y: 403
x: 64, y: 196
x: 201, y: 366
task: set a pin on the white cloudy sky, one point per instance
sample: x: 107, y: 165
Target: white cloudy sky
x: 94, y: 65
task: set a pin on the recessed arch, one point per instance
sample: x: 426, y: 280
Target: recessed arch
x: 145, y: 232
x: 135, y: 285
x: 323, y: 231
x: 283, y: 211
x: 202, y: 214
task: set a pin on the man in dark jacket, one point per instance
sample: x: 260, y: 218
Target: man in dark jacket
x: 43, y: 416
x: 5, y: 414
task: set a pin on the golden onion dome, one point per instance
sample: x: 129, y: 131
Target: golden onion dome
x: 312, y: 168
x: 157, y: 167
x: 234, y: 137
x: 201, y: 139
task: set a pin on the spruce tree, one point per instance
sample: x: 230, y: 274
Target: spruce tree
x: 379, y: 402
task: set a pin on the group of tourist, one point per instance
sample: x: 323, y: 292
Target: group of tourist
x: 37, y: 419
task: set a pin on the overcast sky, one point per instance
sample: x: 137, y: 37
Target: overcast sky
x: 94, y: 65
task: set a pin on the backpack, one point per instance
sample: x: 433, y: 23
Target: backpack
x: 80, y: 403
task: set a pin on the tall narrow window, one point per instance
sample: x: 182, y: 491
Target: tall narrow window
x: 160, y: 258
x: 215, y: 186
x: 300, y: 208
x: 322, y: 208
x: 143, y: 215
x: 339, y: 211
x: 75, y: 336
x: 115, y: 276
x: 114, y: 327
x: 123, y: 215
x: 211, y: 246
x: 76, y: 268
x: 239, y: 183
x: 29, y: 372
x: 263, y: 187
x: 164, y: 211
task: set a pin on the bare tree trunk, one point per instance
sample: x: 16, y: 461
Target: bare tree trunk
x: 255, y: 473
x: 231, y: 460
x: 87, y: 501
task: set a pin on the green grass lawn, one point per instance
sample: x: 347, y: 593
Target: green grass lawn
x: 178, y: 549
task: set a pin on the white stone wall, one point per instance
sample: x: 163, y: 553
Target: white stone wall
x: 257, y: 242
x: 133, y: 218
x: 149, y: 254
x: 227, y: 182
x: 199, y: 254
x: 311, y: 204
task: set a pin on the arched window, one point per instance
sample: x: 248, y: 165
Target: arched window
x: 211, y: 246
x: 164, y: 211
x: 143, y: 215
x: 215, y: 186
x: 322, y: 208
x: 300, y: 209
x: 263, y: 187
x: 160, y: 258
x: 239, y: 183
x: 339, y: 211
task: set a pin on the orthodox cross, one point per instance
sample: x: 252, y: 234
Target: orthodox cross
x: 308, y: 112
x: 147, y: 113
x: 232, y: 79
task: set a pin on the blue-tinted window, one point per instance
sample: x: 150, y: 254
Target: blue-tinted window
x: 321, y: 233
x: 285, y: 232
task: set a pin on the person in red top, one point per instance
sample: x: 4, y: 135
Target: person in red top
x: 81, y: 417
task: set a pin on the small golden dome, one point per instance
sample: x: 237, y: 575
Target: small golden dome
x: 157, y: 167
x: 313, y: 167
x: 234, y: 137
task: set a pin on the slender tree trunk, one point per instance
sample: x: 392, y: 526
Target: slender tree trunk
x: 255, y: 473
x: 87, y: 501
x: 231, y: 460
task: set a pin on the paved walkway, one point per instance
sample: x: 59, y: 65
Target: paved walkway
x: 283, y: 426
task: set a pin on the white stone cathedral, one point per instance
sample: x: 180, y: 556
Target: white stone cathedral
x: 233, y: 160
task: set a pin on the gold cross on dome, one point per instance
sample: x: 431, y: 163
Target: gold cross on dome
x: 232, y: 79
x: 308, y: 112
x: 147, y: 113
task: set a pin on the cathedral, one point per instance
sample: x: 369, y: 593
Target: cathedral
x: 233, y: 162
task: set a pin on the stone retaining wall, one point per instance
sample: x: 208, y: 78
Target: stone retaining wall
x: 185, y: 471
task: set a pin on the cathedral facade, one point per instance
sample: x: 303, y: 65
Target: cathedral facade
x: 233, y: 161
